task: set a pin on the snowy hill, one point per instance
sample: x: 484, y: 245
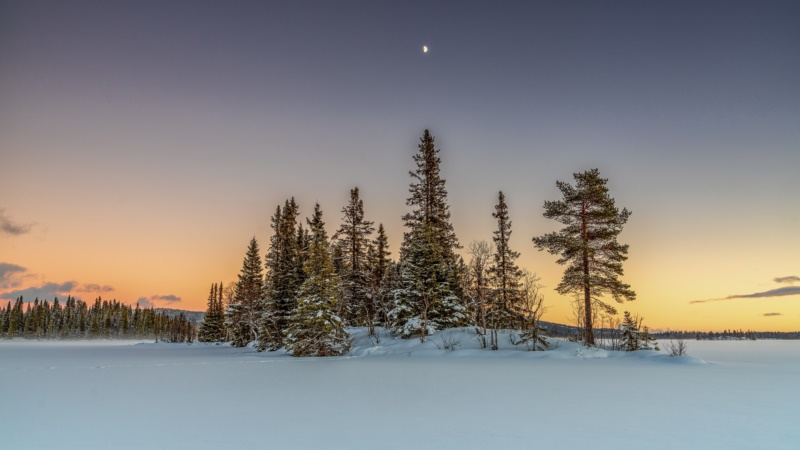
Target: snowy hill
x: 463, y: 342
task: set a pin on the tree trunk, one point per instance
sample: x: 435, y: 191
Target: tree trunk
x: 588, y: 333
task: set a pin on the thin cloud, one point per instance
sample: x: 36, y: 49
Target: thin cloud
x: 780, y: 292
x: 46, y: 291
x: 8, y: 226
x: 772, y: 314
x: 94, y: 288
x: 50, y: 290
x: 8, y: 273
x: 787, y: 280
x: 148, y: 302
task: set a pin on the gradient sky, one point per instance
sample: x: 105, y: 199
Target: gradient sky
x: 142, y: 144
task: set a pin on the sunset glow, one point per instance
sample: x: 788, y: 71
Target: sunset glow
x: 141, y: 150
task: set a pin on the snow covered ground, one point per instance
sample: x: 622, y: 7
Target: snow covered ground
x: 398, y: 394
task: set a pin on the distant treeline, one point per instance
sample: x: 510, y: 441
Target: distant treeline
x: 571, y: 332
x: 75, y: 319
x: 727, y: 335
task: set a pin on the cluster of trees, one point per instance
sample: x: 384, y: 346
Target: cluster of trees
x: 635, y: 336
x: 311, y: 287
x: 314, y: 286
x: 727, y: 335
x: 213, y: 329
x: 75, y: 319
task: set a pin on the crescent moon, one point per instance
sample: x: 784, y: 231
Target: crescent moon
x: 424, y: 49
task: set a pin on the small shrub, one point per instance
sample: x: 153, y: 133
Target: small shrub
x: 449, y: 342
x: 676, y: 348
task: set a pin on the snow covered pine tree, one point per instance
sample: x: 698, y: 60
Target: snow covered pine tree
x: 428, y: 300
x: 315, y: 329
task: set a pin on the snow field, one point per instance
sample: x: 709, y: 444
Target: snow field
x: 398, y: 394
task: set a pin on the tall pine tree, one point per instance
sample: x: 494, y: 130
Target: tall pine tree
x: 245, y: 311
x: 352, y: 239
x: 314, y: 328
x: 429, y: 298
x: 284, y: 275
x: 588, y: 244
x: 504, y: 274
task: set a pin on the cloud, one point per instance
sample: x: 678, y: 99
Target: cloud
x: 779, y: 292
x: 8, y: 226
x: 50, y: 290
x: 787, y: 280
x: 93, y: 288
x: 166, y: 298
x: 45, y: 291
x: 9, y: 274
x: 147, y: 302
x: 772, y: 314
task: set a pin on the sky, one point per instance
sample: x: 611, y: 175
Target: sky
x: 143, y: 144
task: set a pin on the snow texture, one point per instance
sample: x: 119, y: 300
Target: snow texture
x: 398, y: 394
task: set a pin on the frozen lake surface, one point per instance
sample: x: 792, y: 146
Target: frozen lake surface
x: 398, y: 394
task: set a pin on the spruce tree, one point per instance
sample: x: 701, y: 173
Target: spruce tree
x: 283, y: 277
x: 246, y: 309
x: 504, y: 275
x: 314, y: 328
x: 426, y: 302
x: 302, y: 248
x: 208, y: 318
x: 588, y: 244
x: 429, y: 201
x: 430, y: 296
x: 378, y: 262
x: 647, y: 341
x: 213, y: 329
x: 630, y: 333
x: 352, y: 239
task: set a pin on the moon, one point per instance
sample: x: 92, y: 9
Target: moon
x: 424, y: 49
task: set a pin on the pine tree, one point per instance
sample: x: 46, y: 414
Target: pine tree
x: 213, y: 327
x: 315, y: 329
x: 284, y: 276
x: 245, y: 310
x: 302, y: 248
x: 588, y: 244
x: 378, y: 262
x: 635, y: 336
x: 425, y: 303
x: 630, y: 333
x: 429, y: 199
x: 352, y: 239
x: 504, y: 275
x: 430, y: 297
x: 5, y: 319
x: 647, y: 341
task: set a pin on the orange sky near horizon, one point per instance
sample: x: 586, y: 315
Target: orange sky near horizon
x: 142, y: 144
x: 152, y: 259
